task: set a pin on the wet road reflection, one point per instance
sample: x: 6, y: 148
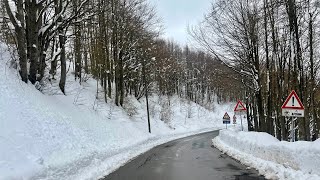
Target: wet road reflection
x: 190, y: 158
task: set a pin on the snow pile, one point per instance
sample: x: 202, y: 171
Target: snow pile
x: 273, y: 158
x: 79, y: 136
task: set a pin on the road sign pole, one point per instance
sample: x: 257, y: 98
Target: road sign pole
x: 241, y: 121
x: 292, y: 130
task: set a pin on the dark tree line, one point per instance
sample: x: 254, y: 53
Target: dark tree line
x: 115, y: 42
x: 272, y: 45
x: 36, y: 26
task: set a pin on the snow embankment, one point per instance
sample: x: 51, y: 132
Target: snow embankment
x: 79, y: 136
x: 273, y: 158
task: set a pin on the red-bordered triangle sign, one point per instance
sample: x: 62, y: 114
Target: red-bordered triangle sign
x: 226, y: 116
x: 292, y: 102
x: 240, y: 107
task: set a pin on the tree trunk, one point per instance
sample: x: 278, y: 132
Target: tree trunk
x: 63, y: 77
x: 32, y: 39
x: 314, y: 117
x: 62, y: 42
x: 21, y: 37
x: 121, y: 80
x: 269, y: 120
x: 53, y: 68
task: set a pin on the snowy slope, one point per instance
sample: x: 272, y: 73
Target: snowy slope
x: 273, y: 158
x: 52, y: 136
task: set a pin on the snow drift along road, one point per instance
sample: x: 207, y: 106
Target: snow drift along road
x: 273, y: 158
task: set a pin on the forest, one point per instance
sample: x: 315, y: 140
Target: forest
x: 257, y: 51
x: 273, y: 47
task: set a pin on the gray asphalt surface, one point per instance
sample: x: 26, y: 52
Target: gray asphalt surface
x: 190, y: 158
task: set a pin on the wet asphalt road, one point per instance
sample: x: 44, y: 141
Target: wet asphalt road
x: 190, y: 158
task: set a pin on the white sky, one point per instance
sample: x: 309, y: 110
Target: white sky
x: 177, y: 14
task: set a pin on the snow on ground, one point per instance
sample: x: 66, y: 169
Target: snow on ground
x: 272, y: 158
x: 51, y: 136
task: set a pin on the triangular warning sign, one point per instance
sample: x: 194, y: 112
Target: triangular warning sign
x: 240, y: 107
x: 226, y: 116
x: 292, y: 102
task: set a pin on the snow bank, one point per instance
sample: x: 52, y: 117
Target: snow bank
x: 273, y: 158
x: 79, y: 136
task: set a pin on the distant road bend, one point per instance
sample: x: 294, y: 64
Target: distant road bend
x: 190, y: 158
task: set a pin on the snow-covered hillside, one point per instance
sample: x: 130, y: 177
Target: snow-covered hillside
x: 273, y: 158
x: 52, y: 136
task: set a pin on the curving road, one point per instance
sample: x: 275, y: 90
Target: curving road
x: 190, y: 158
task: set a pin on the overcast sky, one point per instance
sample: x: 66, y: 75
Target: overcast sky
x: 177, y: 14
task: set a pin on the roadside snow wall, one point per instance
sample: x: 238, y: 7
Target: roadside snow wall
x: 300, y: 156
